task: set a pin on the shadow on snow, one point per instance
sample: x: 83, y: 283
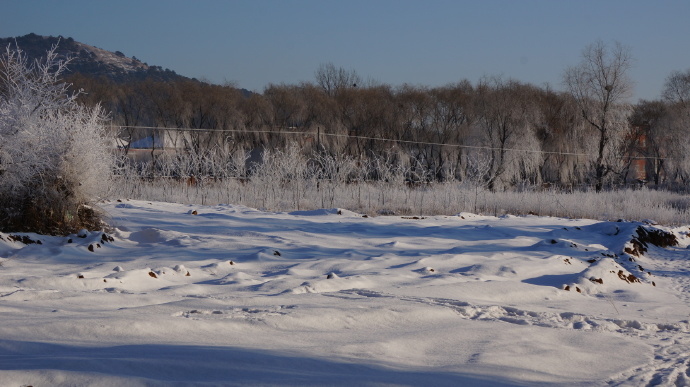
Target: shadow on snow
x: 183, y: 364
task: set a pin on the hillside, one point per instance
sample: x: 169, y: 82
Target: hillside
x: 90, y: 60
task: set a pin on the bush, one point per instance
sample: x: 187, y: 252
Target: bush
x: 288, y: 180
x: 54, y: 155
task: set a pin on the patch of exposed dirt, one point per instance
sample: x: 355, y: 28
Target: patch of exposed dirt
x: 645, y: 237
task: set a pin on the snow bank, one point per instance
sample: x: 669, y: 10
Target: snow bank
x: 232, y: 295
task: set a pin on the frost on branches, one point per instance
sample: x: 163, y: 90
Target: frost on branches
x: 54, y: 156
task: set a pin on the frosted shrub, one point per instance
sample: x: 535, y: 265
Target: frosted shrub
x: 281, y: 178
x: 54, y: 156
x: 288, y: 180
x: 333, y: 172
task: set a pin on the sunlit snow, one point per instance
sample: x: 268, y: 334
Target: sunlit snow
x: 228, y: 295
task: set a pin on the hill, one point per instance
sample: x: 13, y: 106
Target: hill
x: 91, y: 61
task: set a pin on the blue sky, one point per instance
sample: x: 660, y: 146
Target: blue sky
x: 431, y: 43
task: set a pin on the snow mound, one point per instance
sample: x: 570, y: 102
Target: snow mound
x: 469, y: 300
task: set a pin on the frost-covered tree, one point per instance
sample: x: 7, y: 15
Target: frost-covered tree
x: 676, y: 94
x: 54, y: 155
x: 601, y: 86
x: 504, y: 129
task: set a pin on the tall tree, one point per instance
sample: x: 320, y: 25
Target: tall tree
x: 505, y: 114
x: 601, y: 86
x: 677, y: 95
x: 558, y: 131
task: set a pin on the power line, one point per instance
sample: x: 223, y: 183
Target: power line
x: 462, y: 146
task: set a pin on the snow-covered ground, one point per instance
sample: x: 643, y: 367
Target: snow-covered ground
x: 228, y: 295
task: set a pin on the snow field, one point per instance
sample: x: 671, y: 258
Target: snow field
x: 229, y: 295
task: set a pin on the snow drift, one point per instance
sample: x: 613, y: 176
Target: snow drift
x: 229, y: 295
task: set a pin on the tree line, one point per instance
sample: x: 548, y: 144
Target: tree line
x: 498, y: 131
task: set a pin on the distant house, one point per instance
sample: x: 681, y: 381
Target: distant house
x: 149, y: 142
x: 646, y: 165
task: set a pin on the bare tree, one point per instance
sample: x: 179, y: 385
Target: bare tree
x: 677, y: 87
x: 450, y: 122
x: 558, y: 131
x: 288, y: 105
x: 677, y: 95
x: 504, y: 120
x: 332, y: 79
x: 601, y: 87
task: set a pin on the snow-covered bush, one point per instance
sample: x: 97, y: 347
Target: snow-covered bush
x: 54, y: 156
x: 287, y: 180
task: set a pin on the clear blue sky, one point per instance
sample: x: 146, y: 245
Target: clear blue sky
x: 432, y: 43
